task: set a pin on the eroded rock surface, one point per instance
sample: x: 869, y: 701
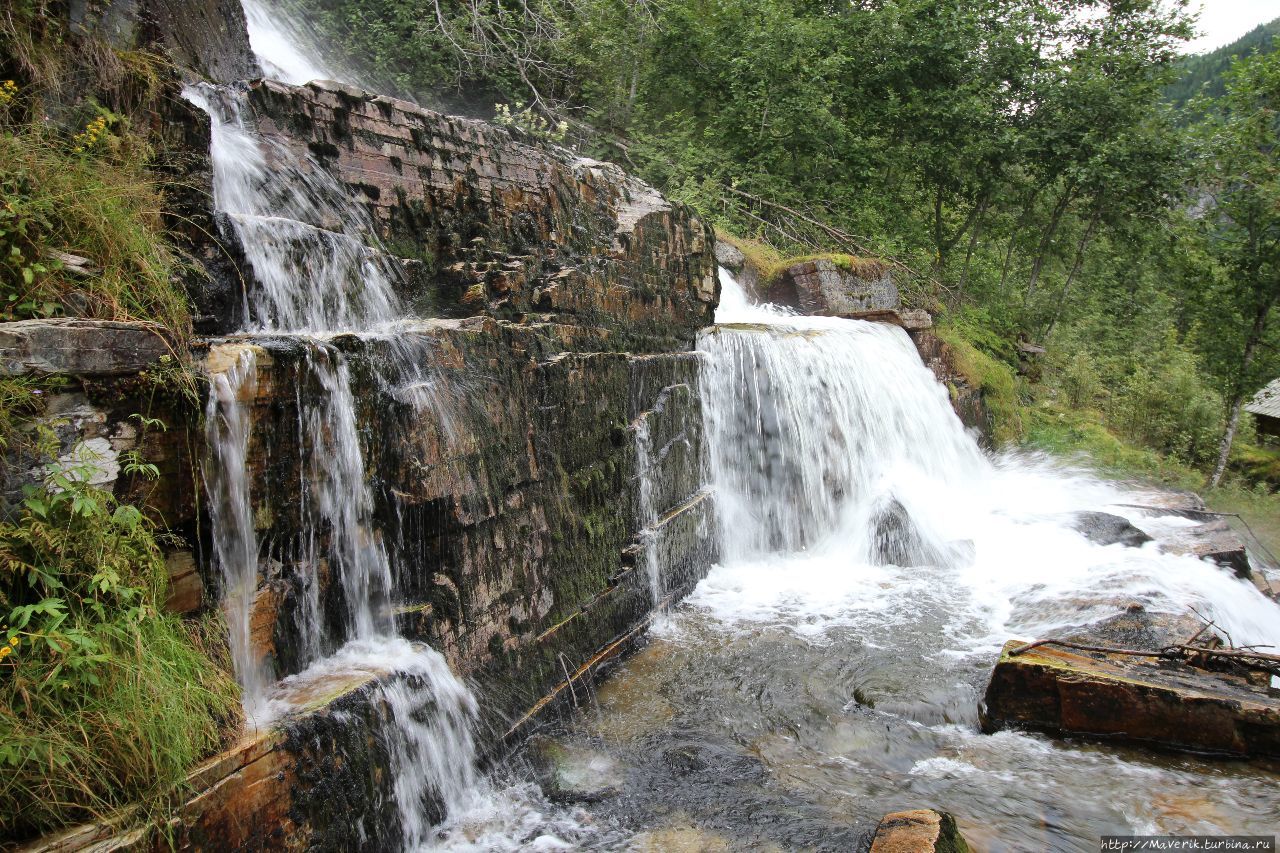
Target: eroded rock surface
x: 78, y: 347
x: 1141, y: 700
x: 918, y: 831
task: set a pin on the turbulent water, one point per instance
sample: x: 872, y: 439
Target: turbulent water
x: 829, y: 670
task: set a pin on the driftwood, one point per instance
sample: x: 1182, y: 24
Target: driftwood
x: 1182, y: 652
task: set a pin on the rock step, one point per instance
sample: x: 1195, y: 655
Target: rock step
x: 80, y: 347
x: 918, y: 831
x: 1133, y: 699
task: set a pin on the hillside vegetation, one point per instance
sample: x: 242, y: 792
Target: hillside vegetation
x: 106, y: 701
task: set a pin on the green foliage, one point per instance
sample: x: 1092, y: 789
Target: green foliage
x: 1257, y: 463
x: 994, y: 378
x: 106, y: 700
x: 1206, y: 73
x: 97, y: 203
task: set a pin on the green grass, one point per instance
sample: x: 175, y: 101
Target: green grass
x: 99, y: 204
x: 82, y: 752
x: 105, y: 700
x: 994, y: 378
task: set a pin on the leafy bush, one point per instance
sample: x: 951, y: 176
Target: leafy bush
x: 107, y: 701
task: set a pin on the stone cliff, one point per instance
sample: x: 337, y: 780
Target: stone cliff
x: 548, y: 465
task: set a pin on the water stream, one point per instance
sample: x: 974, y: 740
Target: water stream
x: 320, y: 271
x: 829, y: 670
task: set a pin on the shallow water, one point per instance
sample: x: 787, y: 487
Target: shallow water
x: 874, y: 561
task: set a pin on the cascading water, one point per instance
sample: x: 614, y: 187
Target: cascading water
x: 829, y: 669
x: 231, y: 513
x: 830, y: 440
x: 320, y: 270
x: 279, y: 41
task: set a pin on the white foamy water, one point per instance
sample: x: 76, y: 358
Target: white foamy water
x: 850, y: 494
x: 235, y: 544
x: 280, y: 42
x: 316, y: 257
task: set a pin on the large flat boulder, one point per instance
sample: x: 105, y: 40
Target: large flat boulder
x: 79, y: 347
x: 1142, y: 700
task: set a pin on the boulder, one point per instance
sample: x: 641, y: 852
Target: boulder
x: 79, y: 347
x: 825, y: 286
x: 1141, y: 700
x: 918, y: 831
x: 1103, y: 528
x: 729, y: 256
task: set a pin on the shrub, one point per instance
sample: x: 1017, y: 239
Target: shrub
x: 107, y: 701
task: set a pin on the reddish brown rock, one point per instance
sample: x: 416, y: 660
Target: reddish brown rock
x: 918, y: 831
x: 1134, y: 699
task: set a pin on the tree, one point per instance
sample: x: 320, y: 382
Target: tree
x: 1242, y: 144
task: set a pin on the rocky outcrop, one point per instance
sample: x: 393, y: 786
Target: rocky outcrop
x: 1158, y: 701
x: 77, y: 347
x: 918, y: 831
x: 208, y: 37
x: 491, y: 224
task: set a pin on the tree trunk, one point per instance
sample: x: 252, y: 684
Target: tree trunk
x: 1237, y: 400
x: 1075, y: 270
x: 1013, y: 237
x: 1038, y: 265
x: 968, y: 255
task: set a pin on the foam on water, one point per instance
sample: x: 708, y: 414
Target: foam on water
x: 849, y: 492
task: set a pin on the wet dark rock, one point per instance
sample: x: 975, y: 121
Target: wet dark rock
x: 78, y: 347
x: 897, y: 542
x: 1103, y: 528
x: 1139, y: 629
x: 1140, y: 700
x: 918, y: 831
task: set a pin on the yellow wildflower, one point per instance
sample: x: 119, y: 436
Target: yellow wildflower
x: 4, y: 651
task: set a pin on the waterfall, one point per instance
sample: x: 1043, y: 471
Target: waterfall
x: 319, y: 270
x: 314, y: 251
x: 840, y: 469
x: 227, y: 424
x: 284, y: 45
x: 816, y: 424
x: 647, y: 515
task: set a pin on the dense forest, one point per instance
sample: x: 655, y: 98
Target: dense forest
x: 1206, y: 73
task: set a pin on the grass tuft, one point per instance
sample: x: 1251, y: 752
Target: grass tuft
x: 993, y: 378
